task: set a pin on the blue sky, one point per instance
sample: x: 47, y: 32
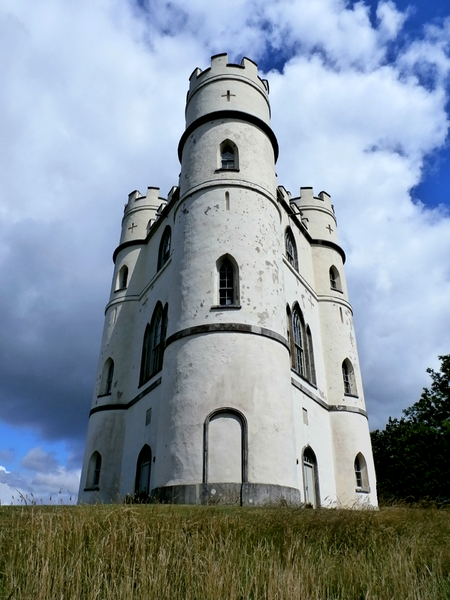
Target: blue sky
x: 92, y: 107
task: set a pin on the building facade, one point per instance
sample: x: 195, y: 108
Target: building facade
x: 228, y: 370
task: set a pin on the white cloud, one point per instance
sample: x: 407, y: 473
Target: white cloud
x: 92, y: 108
x: 37, y: 459
x: 58, y: 485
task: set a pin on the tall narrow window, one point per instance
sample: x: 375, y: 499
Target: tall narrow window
x: 358, y: 473
x: 298, y: 330
x: 153, y: 345
x: 227, y: 283
x: 362, y: 480
x: 311, y: 367
x: 94, y: 468
x: 291, y: 249
x: 348, y: 376
x: 107, y: 377
x: 164, y: 247
x: 289, y: 329
x: 228, y: 155
x: 143, y: 468
x: 227, y: 158
x: 157, y: 343
x: 335, y: 279
x: 122, y: 279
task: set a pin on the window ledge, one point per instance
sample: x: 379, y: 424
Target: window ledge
x: 361, y: 490
x: 336, y: 290
x: 152, y: 376
x: 351, y: 395
x: 304, y: 378
x: 226, y: 307
x: 226, y: 171
x: 92, y: 489
x: 102, y: 395
x: 120, y: 289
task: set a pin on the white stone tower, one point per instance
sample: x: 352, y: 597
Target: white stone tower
x: 228, y: 370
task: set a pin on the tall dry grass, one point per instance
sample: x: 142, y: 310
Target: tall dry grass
x: 214, y: 553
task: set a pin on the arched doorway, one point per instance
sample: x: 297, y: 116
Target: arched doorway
x: 225, y: 447
x: 143, y: 468
x: 310, y: 478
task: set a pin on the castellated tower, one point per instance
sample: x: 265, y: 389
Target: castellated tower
x: 228, y: 370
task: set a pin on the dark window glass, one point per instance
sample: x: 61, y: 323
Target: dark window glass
x: 291, y: 250
x: 143, y: 468
x: 153, y: 346
x: 97, y: 469
x: 109, y: 377
x: 228, y: 161
x: 226, y: 284
x: 164, y: 248
x: 298, y: 327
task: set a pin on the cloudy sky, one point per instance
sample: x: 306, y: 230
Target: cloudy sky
x: 92, y: 107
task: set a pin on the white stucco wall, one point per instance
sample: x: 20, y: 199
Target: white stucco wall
x: 245, y: 367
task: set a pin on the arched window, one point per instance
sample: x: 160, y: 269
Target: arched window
x: 227, y: 272
x: 298, y: 330
x: 348, y: 376
x: 122, y: 278
x: 362, y: 480
x: 310, y: 478
x: 289, y: 328
x: 291, y: 248
x: 335, y: 279
x: 107, y: 377
x: 164, y: 247
x: 310, y: 364
x: 228, y: 158
x: 94, y: 468
x: 153, y: 345
x: 143, y: 468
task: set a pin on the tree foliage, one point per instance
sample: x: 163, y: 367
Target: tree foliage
x: 412, y: 454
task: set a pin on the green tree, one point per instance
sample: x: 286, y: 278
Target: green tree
x: 412, y: 454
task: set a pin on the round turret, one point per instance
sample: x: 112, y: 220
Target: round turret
x: 140, y: 213
x: 317, y: 214
x: 238, y: 87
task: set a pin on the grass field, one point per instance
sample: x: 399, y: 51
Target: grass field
x: 216, y: 553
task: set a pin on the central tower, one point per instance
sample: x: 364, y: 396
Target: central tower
x: 228, y: 370
x: 229, y: 349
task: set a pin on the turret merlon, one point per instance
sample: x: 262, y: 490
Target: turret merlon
x: 221, y: 67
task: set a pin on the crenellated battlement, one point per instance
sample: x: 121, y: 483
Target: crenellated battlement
x: 225, y: 88
x: 220, y: 67
x: 140, y: 213
x: 317, y: 214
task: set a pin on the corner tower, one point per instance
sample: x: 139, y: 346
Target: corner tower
x: 202, y: 392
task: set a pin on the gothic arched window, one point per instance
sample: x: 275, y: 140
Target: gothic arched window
x: 107, y: 377
x: 122, y: 278
x: 361, y: 477
x: 298, y: 330
x: 94, y: 468
x: 228, y: 155
x: 335, y: 279
x: 310, y: 364
x: 291, y: 249
x: 153, y: 345
x: 228, y: 284
x: 348, y: 376
x: 164, y: 247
